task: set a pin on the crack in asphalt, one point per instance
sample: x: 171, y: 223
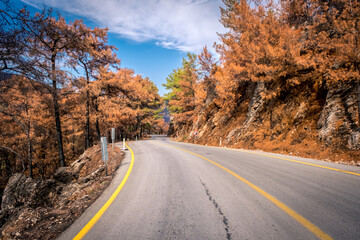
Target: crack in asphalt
x: 216, y: 205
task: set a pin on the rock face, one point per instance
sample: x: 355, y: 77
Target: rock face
x: 338, y: 117
x: 42, y: 209
x: 24, y: 191
x: 354, y: 140
x: 256, y: 105
x: 301, y: 113
x: 253, y: 115
x: 314, y: 119
x: 64, y: 175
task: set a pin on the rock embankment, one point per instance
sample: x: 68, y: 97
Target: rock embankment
x: 42, y: 209
x: 308, y: 120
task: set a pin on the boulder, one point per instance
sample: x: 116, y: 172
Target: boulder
x: 24, y: 191
x: 64, y: 175
x: 18, y: 191
x: 80, y: 163
x: 354, y: 139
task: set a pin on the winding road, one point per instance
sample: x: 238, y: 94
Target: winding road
x: 186, y: 191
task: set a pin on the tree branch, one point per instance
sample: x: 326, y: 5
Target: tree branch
x: 10, y: 150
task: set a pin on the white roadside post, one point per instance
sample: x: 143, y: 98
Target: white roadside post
x: 195, y: 135
x: 113, y: 137
x: 104, y: 152
x: 220, y: 141
x: 123, y: 144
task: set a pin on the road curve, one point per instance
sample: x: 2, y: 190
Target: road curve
x: 177, y: 194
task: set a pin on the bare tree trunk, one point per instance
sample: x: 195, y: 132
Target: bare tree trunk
x: 73, y: 145
x: 42, y: 169
x: 97, y: 125
x: 9, y: 171
x: 358, y: 101
x: 58, y: 127
x: 57, y: 116
x: 87, y: 126
x: 28, y: 129
x: 30, y: 154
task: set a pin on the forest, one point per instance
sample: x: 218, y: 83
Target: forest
x: 283, y: 78
x: 287, y: 80
x: 61, y: 89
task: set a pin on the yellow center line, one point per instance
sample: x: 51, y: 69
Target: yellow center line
x: 286, y: 159
x: 307, y: 224
x: 98, y: 215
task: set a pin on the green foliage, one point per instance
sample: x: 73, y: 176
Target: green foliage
x: 181, y: 84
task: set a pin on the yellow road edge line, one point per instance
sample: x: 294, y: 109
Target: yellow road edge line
x: 307, y: 224
x: 281, y: 158
x: 98, y: 215
x: 297, y: 161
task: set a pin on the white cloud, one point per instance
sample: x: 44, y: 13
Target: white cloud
x: 185, y: 25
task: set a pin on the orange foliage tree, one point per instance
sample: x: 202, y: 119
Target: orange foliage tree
x: 273, y: 48
x: 26, y: 125
x: 207, y: 71
x: 29, y: 105
x: 48, y: 40
x: 335, y: 41
x: 90, y: 54
x: 126, y: 100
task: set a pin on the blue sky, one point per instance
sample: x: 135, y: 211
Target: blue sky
x: 152, y: 36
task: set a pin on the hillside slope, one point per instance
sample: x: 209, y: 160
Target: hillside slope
x: 286, y: 78
x: 312, y: 121
x: 43, y: 209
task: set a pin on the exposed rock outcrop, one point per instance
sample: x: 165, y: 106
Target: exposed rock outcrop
x: 253, y: 115
x: 64, y: 175
x: 309, y: 120
x: 256, y: 105
x: 24, y: 191
x: 42, y: 209
x: 338, y: 117
x: 354, y: 139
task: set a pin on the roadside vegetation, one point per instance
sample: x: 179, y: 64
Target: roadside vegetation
x: 61, y: 89
x: 287, y: 80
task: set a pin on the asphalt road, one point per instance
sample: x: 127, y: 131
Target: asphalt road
x: 176, y: 194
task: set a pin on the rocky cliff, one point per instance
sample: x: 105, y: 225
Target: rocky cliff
x: 307, y: 120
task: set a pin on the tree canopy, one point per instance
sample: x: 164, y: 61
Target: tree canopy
x: 62, y: 89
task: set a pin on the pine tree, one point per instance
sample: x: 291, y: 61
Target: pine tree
x: 182, y: 83
x: 335, y: 41
x: 49, y: 38
x: 207, y: 71
x: 90, y: 54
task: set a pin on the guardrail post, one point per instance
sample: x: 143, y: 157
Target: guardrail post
x: 113, y: 137
x: 104, y: 153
